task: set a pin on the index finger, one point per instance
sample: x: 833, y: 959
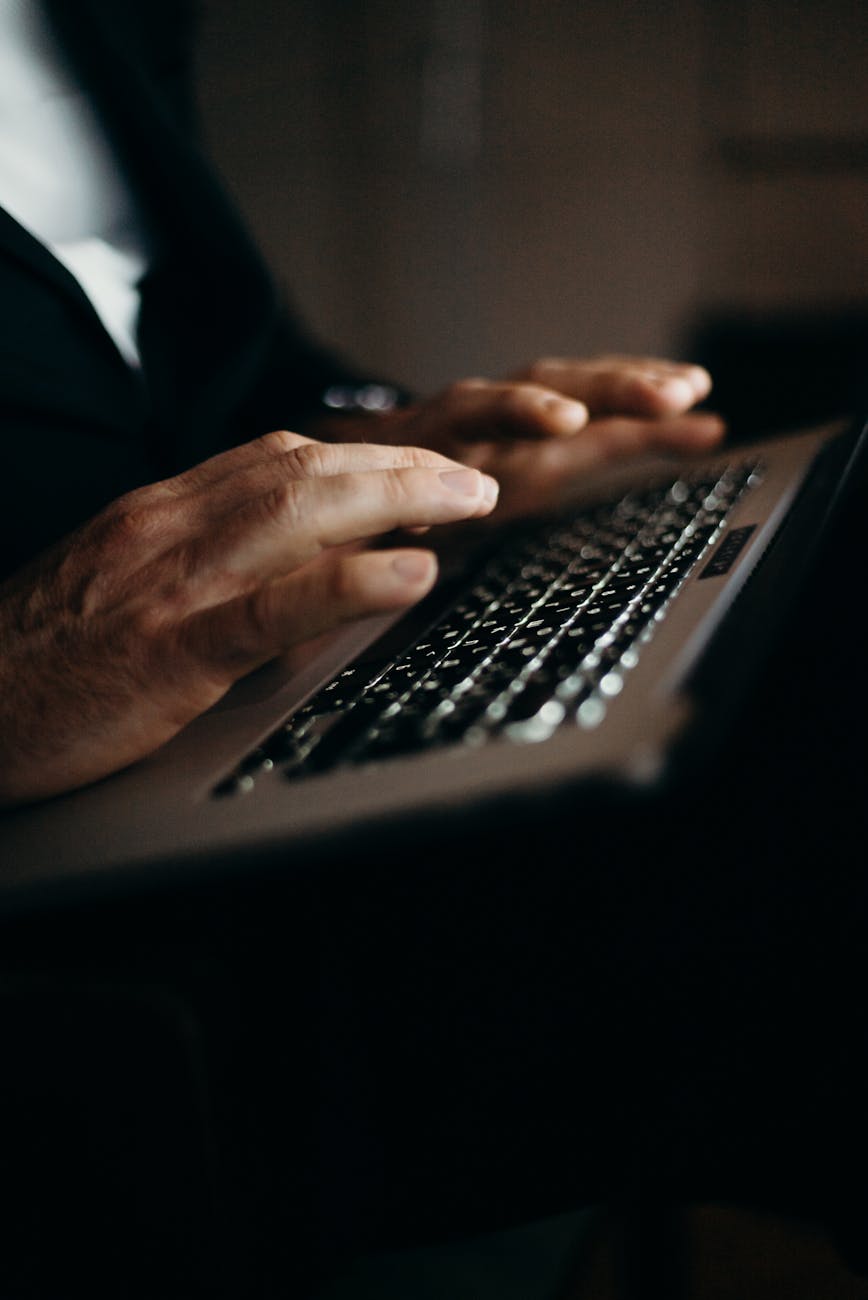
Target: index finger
x: 620, y: 385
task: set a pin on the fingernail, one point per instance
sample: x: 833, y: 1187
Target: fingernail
x: 465, y: 481
x: 412, y: 566
x: 490, y: 489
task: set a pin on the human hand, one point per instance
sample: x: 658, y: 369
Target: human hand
x: 648, y: 387
x: 543, y: 430
x: 115, y: 639
x: 553, y: 397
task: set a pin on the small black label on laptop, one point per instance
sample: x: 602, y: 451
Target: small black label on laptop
x: 728, y: 552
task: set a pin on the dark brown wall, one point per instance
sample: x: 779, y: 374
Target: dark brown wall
x: 453, y: 187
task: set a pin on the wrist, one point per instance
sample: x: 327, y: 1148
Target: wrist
x: 363, y: 399
x: 357, y: 412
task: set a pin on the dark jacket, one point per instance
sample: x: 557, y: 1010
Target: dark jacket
x: 223, y: 357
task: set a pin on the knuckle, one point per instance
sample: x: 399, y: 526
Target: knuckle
x: 241, y: 633
x: 517, y: 400
x: 149, y: 624
x: 129, y: 520
x: 542, y: 368
x: 461, y: 388
x: 398, y: 487
x: 347, y: 585
x: 255, y: 628
x: 422, y: 458
x: 223, y: 652
x: 311, y: 459
x: 410, y: 456
x: 280, y: 441
x: 282, y: 506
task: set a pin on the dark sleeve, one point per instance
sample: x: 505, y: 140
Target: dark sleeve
x: 301, y: 380
x: 298, y: 376
x: 225, y: 356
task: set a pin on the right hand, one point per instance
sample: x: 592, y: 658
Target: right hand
x: 115, y: 639
x: 543, y: 430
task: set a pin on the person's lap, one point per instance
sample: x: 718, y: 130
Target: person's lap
x: 507, y: 1020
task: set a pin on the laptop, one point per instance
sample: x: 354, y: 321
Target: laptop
x: 602, y: 646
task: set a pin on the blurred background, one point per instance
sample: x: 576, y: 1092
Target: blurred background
x: 457, y: 186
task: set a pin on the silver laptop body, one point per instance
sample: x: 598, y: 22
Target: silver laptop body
x: 213, y: 795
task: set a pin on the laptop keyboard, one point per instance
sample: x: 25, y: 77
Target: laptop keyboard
x: 543, y: 637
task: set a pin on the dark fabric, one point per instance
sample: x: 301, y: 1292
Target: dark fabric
x: 224, y: 358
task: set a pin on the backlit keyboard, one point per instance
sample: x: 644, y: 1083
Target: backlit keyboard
x: 544, y: 636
